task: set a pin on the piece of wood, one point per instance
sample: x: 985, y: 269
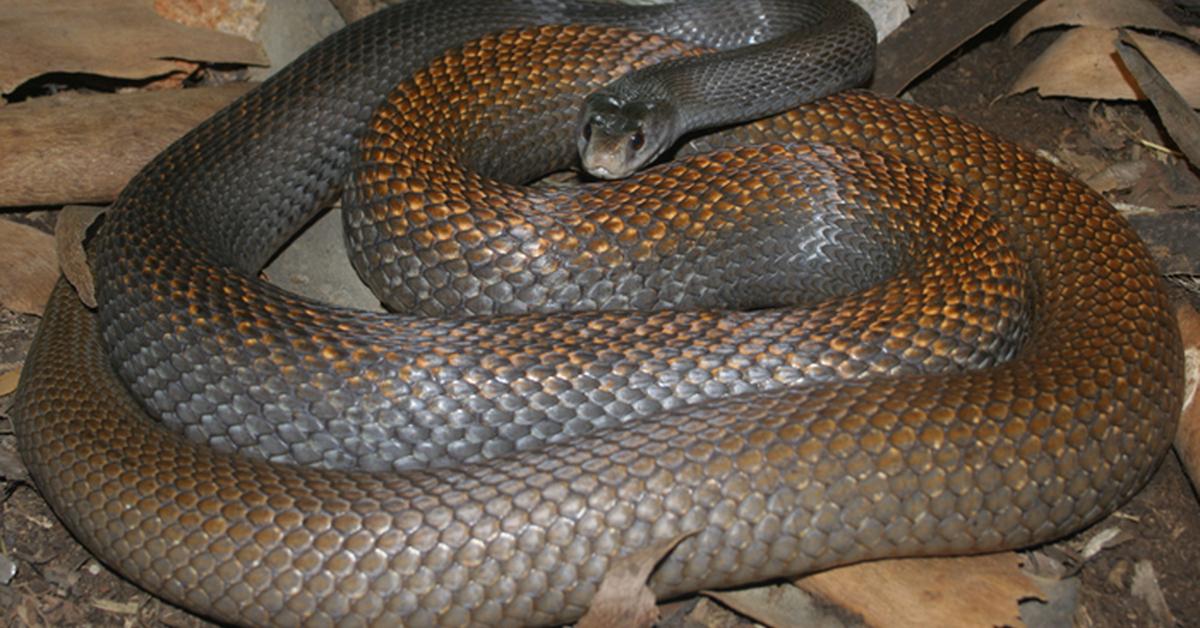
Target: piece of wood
x: 83, y: 149
x: 30, y: 267
x: 934, y: 31
x: 119, y: 38
x: 1182, y: 124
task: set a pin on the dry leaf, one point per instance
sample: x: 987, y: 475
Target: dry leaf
x: 8, y: 381
x: 11, y: 467
x: 1108, y: 14
x: 83, y: 149
x: 1145, y: 586
x: 965, y: 591
x: 119, y: 38
x: 623, y: 598
x: 353, y: 10
x: 29, y: 267
x: 1082, y: 63
x: 1187, y: 437
x: 8, y: 570
x: 776, y: 606
x: 70, y: 232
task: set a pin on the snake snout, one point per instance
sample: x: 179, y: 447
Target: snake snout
x: 618, y: 137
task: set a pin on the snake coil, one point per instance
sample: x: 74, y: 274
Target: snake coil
x: 980, y: 356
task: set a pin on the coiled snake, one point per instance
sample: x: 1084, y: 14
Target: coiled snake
x: 943, y: 343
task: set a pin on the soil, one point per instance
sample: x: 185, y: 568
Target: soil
x: 58, y: 583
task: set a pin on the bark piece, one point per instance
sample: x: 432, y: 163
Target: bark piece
x: 934, y: 31
x: 118, y: 38
x: 84, y: 149
x: 30, y: 269
x: 1182, y: 124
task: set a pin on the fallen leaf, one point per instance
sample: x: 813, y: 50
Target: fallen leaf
x: 1060, y: 586
x: 118, y: 38
x: 1118, y: 176
x: 965, y: 591
x: 1082, y: 63
x: 8, y: 570
x: 84, y: 149
x: 1187, y: 435
x: 887, y: 15
x: 1177, y: 117
x: 30, y: 268
x: 1149, y: 183
x: 623, y: 598
x: 1108, y: 14
x: 11, y: 467
x: 353, y: 10
x: 115, y: 607
x: 1107, y: 538
x: 1145, y: 586
x: 776, y: 606
x: 70, y: 233
x: 8, y: 381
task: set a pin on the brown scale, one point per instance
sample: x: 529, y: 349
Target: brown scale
x: 776, y: 483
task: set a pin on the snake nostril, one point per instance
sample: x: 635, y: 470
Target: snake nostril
x: 587, y: 131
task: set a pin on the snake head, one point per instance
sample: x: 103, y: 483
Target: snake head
x: 617, y: 137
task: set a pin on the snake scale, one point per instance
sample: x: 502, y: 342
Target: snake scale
x: 889, y: 333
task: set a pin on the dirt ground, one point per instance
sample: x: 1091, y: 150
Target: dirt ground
x: 58, y: 583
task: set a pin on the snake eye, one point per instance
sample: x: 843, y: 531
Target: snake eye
x: 587, y: 131
x: 638, y: 140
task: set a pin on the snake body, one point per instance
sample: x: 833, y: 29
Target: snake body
x: 995, y: 366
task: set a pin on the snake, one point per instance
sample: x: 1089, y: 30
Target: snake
x: 848, y: 329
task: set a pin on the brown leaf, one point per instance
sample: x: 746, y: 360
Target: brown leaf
x: 1107, y: 14
x: 70, y: 232
x: 1145, y: 586
x: 84, y: 149
x: 775, y: 606
x: 965, y: 591
x: 8, y: 381
x: 120, y: 38
x: 29, y: 267
x: 1082, y: 63
x: 623, y: 598
x: 352, y: 10
x: 1187, y: 436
